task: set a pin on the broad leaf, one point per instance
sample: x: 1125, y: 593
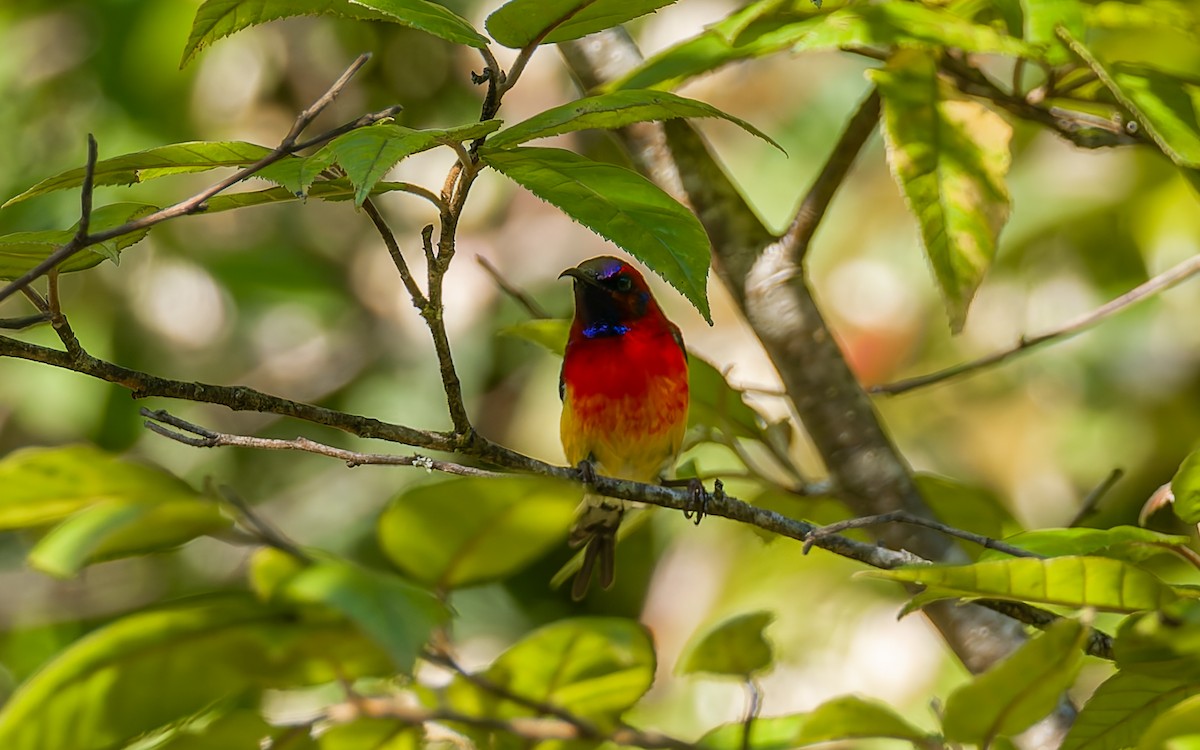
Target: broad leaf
x: 1185, y: 485
x: 769, y: 27
x: 1122, y: 707
x: 594, y: 667
x: 1161, y: 103
x: 120, y: 528
x: 1177, y: 729
x: 518, y: 23
x: 430, y: 17
x: 398, y: 615
x: 1043, y: 16
x: 154, y: 668
x: 1123, y: 542
x: 216, y: 19
x: 845, y: 718
x: 614, y: 110
x: 619, y: 205
x: 142, y: 166
x: 1018, y: 691
x: 713, y: 402
x: 45, y: 485
x: 1162, y: 644
x: 368, y: 153
x: 1147, y: 14
x: 465, y: 530
x: 1099, y: 582
x: 21, y: 251
x: 950, y: 156
x: 372, y: 734
x: 223, y: 728
x: 736, y: 647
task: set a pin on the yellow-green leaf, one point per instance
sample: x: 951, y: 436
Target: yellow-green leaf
x: 950, y: 156
x: 736, y: 647
x: 1100, y: 582
x: 1024, y: 687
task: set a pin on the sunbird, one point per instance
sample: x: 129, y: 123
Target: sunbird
x: 624, y: 388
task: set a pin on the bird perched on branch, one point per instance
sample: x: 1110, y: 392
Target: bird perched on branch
x: 624, y: 388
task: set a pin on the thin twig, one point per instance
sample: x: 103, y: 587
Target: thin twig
x: 753, y: 704
x: 443, y: 659
x: 1163, y: 281
x: 521, y: 298
x: 57, y: 319
x: 267, y: 533
x: 205, y: 438
x: 389, y: 239
x: 903, y: 516
x: 23, y: 322
x: 797, y: 238
x: 196, y: 203
x: 1093, y: 497
x: 530, y: 729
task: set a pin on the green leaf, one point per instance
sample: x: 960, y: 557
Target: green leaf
x: 611, y: 111
x: 1100, y: 582
x: 1185, y: 485
x: 1147, y: 14
x: 398, y: 615
x: 950, y: 156
x: 432, y: 18
x: 21, y: 251
x: 216, y: 19
x: 1177, y: 729
x: 120, y: 528
x: 1162, y: 644
x: 467, y: 530
x: 594, y: 667
x: 770, y: 27
x: 518, y: 23
x: 1122, y: 707
x: 223, y: 728
x: 157, y: 667
x: 368, y: 153
x: 45, y: 485
x: 1041, y: 18
x: 178, y: 158
x: 1123, y: 542
x: 735, y: 647
x: 1024, y: 687
x: 1159, y: 102
x: 619, y: 205
x: 845, y: 718
x: 375, y: 734
x: 713, y: 402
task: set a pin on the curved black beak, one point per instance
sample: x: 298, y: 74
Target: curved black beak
x: 580, y: 275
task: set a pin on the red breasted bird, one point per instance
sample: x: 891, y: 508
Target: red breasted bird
x: 624, y: 388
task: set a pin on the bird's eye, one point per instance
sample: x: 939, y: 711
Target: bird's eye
x: 624, y: 283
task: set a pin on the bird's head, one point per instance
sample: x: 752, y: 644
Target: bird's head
x: 610, y: 296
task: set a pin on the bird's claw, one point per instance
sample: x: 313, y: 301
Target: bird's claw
x: 587, y: 472
x: 700, y: 499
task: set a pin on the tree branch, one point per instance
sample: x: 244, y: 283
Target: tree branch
x: 902, y: 516
x: 1079, y: 324
x: 196, y: 436
x: 287, y: 146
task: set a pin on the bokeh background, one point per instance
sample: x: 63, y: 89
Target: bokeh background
x: 301, y: 300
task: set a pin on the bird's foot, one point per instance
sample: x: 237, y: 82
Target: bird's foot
x: 587, y: 472
x: 700, y: 499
